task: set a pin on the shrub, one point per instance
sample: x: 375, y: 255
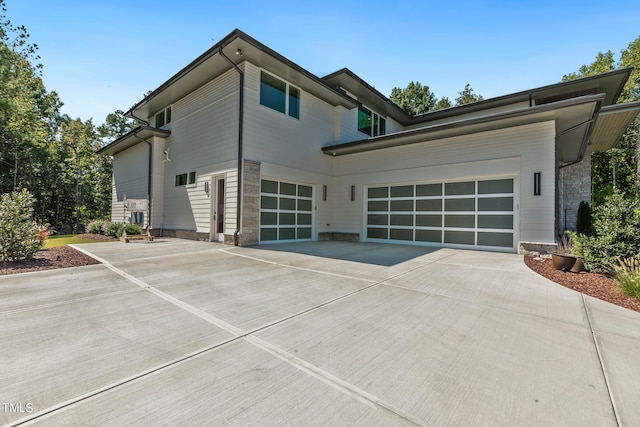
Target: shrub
x: 615, y: 226
x: 95, y: 227
x: 583, y: 224
x: 626, y: 273
x: 19, y: 239
x: 114, y: 229
x: 133, y: 229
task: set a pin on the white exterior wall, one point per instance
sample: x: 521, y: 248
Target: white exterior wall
x: 130, y: 178
x: 513, y: 152
x: 204, y: 138
x: 272, y: 137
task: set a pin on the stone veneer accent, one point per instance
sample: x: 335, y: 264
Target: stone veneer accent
x: 250, y: 204
x: 575, y: 187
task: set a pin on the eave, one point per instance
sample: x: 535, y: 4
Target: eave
x: 136, y: 136
x: 573, y: 118
x: 612, y: 122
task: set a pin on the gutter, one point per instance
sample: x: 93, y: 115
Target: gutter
x: 236, y: 234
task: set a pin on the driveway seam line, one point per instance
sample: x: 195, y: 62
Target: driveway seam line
x: 59, y: 303
x: 281, y: 354
x: 601, y: 362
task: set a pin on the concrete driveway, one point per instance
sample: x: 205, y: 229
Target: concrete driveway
x: 177, y: 332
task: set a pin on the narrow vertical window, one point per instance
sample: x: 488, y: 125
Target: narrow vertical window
x: 294, y: 102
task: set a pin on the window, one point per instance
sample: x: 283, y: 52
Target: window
x: 370, y: 122
x: 185, y: 178
x: 163, y: 117
x: 279, y: 95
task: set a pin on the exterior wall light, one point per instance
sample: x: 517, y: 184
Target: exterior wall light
x: 324, y: 193
x: 537, y: 183
x: 353, y: 193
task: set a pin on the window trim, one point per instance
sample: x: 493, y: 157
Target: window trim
x: 190, y: 179
x: 287, y: 96
x: 378, y: 122
x: 167, y: 112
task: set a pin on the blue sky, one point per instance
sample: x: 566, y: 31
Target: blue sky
x: 101, y: 56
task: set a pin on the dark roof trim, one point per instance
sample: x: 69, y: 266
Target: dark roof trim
x: 396, y: 139
x: 370, y: 88
x: 235, y: 34
x: 132, y: 138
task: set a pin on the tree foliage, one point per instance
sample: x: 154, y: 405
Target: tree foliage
x: 49, y: 154
x: 618, y: 168
x: 417, y: 99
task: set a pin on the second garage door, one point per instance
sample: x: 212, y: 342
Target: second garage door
x: 471, y: 213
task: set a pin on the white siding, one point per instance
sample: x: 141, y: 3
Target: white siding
x: 518, y: 151
x: 204, y: 133
x: 231, y: 202
x: 270, y: 136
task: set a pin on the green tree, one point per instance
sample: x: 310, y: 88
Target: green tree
x: 467, y: 96
x: 115, y: 125
x: 414, y: 99
x: 617, y: 168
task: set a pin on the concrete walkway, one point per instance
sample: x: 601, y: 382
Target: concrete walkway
x: 176, y: 332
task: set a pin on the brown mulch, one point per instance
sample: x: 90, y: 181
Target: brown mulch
x: 54, y: 258
x: 592, y: 284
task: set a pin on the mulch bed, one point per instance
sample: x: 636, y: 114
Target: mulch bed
x: 592, y: 284
x: 54, y: 258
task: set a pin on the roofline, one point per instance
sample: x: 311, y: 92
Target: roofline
x: 479, y: 105
x: 336, y: 148
x: 235, y: 34
x: 375, y: 91
x: 133, y: 132
x: 617, y: 108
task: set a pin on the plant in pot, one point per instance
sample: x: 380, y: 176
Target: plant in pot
x: 563, y: 258
x: 577, y: 242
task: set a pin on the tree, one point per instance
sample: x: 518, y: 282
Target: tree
x: 115, y: 125
x: 18, y: 231
x: 414, y: 99
x: 467, y: 96
x: 617, y: 168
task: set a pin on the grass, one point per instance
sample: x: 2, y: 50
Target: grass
x: 64, y: 240
x: 626, y: 274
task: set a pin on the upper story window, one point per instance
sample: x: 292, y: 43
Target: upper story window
x: 370, y: 122
x: 163, y: 117
x: 185, y: 179
x: 279, y: 95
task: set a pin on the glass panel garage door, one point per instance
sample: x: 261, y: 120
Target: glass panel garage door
x: 285, y: 211
x: 477, y: 213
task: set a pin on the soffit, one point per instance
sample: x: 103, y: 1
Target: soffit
x: 211, y: 64
x: 136, y: 136
x: 612, y: 122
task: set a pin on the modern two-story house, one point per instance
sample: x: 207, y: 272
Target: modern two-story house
x: 246, y: 147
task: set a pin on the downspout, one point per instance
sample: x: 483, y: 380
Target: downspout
x: 149, y: 183
x: 583, y: 147
x: 240, y: 126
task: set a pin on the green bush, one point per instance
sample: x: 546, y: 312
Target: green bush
x: 19, y: 240
x: 626, y: 274
x: 583, y: 224
x: 95, y: 226
x: 616, y: 226
x: 133, y: 229
x: 114, y: 229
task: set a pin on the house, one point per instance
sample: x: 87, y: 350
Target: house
x: 245, y: 147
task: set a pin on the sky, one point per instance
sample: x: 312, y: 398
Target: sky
x: 101, y: 56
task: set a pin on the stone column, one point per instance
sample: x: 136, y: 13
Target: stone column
x: 250, y: 204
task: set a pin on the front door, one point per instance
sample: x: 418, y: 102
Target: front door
x: 217, y: 222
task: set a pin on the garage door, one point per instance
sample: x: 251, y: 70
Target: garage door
x: 478, y: 213
x: 285, y: 211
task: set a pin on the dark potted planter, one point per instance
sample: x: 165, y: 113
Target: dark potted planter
x: 563, y: 262
x: 579, y: 265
